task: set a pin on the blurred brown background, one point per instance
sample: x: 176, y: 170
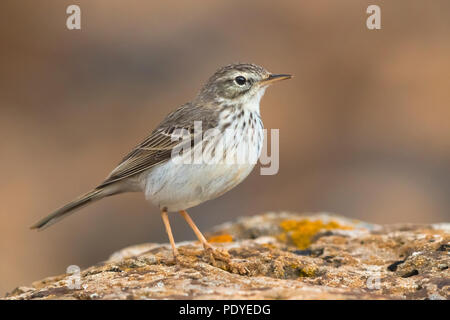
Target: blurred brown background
x: 364, y: 126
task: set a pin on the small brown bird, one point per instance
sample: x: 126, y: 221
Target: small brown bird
x: 229, y: 104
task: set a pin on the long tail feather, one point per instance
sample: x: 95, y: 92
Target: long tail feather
x: 71, y: 207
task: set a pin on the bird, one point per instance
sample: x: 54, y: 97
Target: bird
x: 161, y: 166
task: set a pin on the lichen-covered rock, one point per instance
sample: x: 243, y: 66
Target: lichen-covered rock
x: 273, y: 256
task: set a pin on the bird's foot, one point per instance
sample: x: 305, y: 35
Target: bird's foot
x: 220, y: 258
x: 217, y: 257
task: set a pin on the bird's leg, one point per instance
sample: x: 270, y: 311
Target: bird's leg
x: 196, y: 230
x: 207, y: 247
x: 165, y: 219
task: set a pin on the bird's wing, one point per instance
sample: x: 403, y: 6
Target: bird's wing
x: 154, y: 150
x: 157, y: 148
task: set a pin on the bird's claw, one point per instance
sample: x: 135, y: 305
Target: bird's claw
x: 217, y: 256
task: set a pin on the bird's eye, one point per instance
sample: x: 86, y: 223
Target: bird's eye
x: 240, y: 80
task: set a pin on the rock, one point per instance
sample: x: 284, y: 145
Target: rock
x: 272, y: 256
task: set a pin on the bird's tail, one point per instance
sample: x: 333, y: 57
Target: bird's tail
x: 71, y: 207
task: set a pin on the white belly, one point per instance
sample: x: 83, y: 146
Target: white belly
x: 182, y: 186
x: 179, y: 186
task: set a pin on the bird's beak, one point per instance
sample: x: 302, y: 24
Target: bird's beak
x: 275, y: 78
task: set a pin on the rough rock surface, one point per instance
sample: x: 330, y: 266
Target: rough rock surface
x: 273, y: 256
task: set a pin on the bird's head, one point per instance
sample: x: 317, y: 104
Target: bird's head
x: 239, y: 84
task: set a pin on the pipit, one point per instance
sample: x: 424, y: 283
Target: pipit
x: 229, y: 103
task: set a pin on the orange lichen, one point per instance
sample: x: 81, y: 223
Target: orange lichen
x: 300, y: 232
x: 221, y: 238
